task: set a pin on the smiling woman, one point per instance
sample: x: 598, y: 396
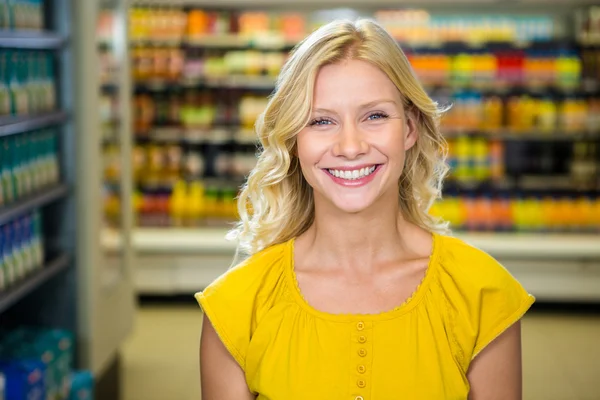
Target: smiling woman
x: 350, y: 289
x: 276, y: 191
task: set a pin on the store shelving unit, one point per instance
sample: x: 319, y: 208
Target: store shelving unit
x: 34, y: 201
x: 19, y: 124
x: 30, y: 284
x: 55, y: 200
x: 71, y: 290
x: 43, y: 40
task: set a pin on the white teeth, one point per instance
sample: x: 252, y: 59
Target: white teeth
x: 352, y: 175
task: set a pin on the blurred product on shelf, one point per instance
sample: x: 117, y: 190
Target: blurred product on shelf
x: 477, y: 161
x: 180, y: 115
x: 591, y: 65
x: 37, y: 363
x: 473, y: 111
x: 28, y: 162
x: 21, y: 249
x: 420, y: 27
x: 184, y: 205
x: 157, y: 63
x: 105, y: 27
x: 22, y: 14
x: 81, y: 386
x: 498, y: 68
x: 27, y: 84
x: 159, y: 23
x: 541, y: 214
x: 587, y: 22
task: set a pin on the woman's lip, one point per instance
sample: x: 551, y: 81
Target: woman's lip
x: 355, y: 182
x: 353, y: 167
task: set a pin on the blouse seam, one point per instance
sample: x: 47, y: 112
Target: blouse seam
x: 452, y: 320
x: 237, y: 355
x: 504, y: 325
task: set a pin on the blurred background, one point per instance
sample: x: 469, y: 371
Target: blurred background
x: 126, y: 130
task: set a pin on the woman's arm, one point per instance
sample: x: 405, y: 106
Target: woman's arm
x: 221, y: 376
x: 496, y: 372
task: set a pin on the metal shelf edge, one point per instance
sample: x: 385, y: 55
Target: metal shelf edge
x: 32, y: 282
x: 14, y: 125
x: 32, y: 201
x: 23, y: 39
x: 212, y: 240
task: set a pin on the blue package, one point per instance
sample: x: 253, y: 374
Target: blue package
x: 82, y: 386
x: 24, y: 380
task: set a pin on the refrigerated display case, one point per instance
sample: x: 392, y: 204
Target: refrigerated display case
x: 523, y: 132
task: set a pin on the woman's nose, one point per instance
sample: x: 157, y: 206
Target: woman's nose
x: 350, y: 142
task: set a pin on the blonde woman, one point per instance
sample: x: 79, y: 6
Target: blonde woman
x: 351, y: 290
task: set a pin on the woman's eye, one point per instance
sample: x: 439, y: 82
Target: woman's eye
x: 377, y: 116
x: 319, y: 121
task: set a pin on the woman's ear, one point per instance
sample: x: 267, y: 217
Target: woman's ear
x: 411, y: 132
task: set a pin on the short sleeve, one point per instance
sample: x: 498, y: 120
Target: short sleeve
x: 485, y: 298
x: 228, y: 316
x: 235, y: 301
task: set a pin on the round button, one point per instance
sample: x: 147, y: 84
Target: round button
x: 361, y: 369
x: 360, y: 326
x: 362, y: 339
x: 362, y: 352
x: 359, y: 398
x: 361, y: 384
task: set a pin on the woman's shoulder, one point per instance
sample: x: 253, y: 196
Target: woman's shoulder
x: 238, y: 300
x: 482, y: 296
x: 255, y: 271
x: 463, y: 261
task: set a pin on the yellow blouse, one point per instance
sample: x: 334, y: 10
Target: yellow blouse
x: 419, y: 350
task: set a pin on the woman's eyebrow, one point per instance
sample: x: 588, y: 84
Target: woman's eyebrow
x: 360, y: 107
x: 376, y: 102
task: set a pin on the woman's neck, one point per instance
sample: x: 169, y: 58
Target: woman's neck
x: 362, y: 240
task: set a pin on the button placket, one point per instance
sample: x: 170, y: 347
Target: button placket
x: 362, y: 340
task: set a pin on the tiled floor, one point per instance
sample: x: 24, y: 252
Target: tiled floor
x: 561, y: 356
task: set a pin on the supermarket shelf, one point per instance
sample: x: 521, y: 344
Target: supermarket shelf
x: 181, y: 134
x: 262, y: 82
x: 31, y: 40
x: 31, y: 283
x: 346, y: 3
x: 240, y: 42
x: 557, y: 135
x: 155, y: 42
x: 229, y: 82
x: 524, y: 184
x: 12, y: 125
x: 212, y: 240
x: 33, y: 201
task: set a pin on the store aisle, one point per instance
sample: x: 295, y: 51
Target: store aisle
x: 561, y: 356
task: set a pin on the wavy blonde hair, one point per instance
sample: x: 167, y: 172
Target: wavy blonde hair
x: 276, y: 203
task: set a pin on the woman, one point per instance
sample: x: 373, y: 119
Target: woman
x: 350, y: 290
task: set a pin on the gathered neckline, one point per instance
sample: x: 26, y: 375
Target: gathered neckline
x: 395, y: 312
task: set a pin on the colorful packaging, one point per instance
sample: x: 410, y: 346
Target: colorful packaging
x: 82, y: 386
x: 24, y: 379
x: 3, y: 283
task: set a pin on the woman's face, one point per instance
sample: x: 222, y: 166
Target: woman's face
x: 353, y: 149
